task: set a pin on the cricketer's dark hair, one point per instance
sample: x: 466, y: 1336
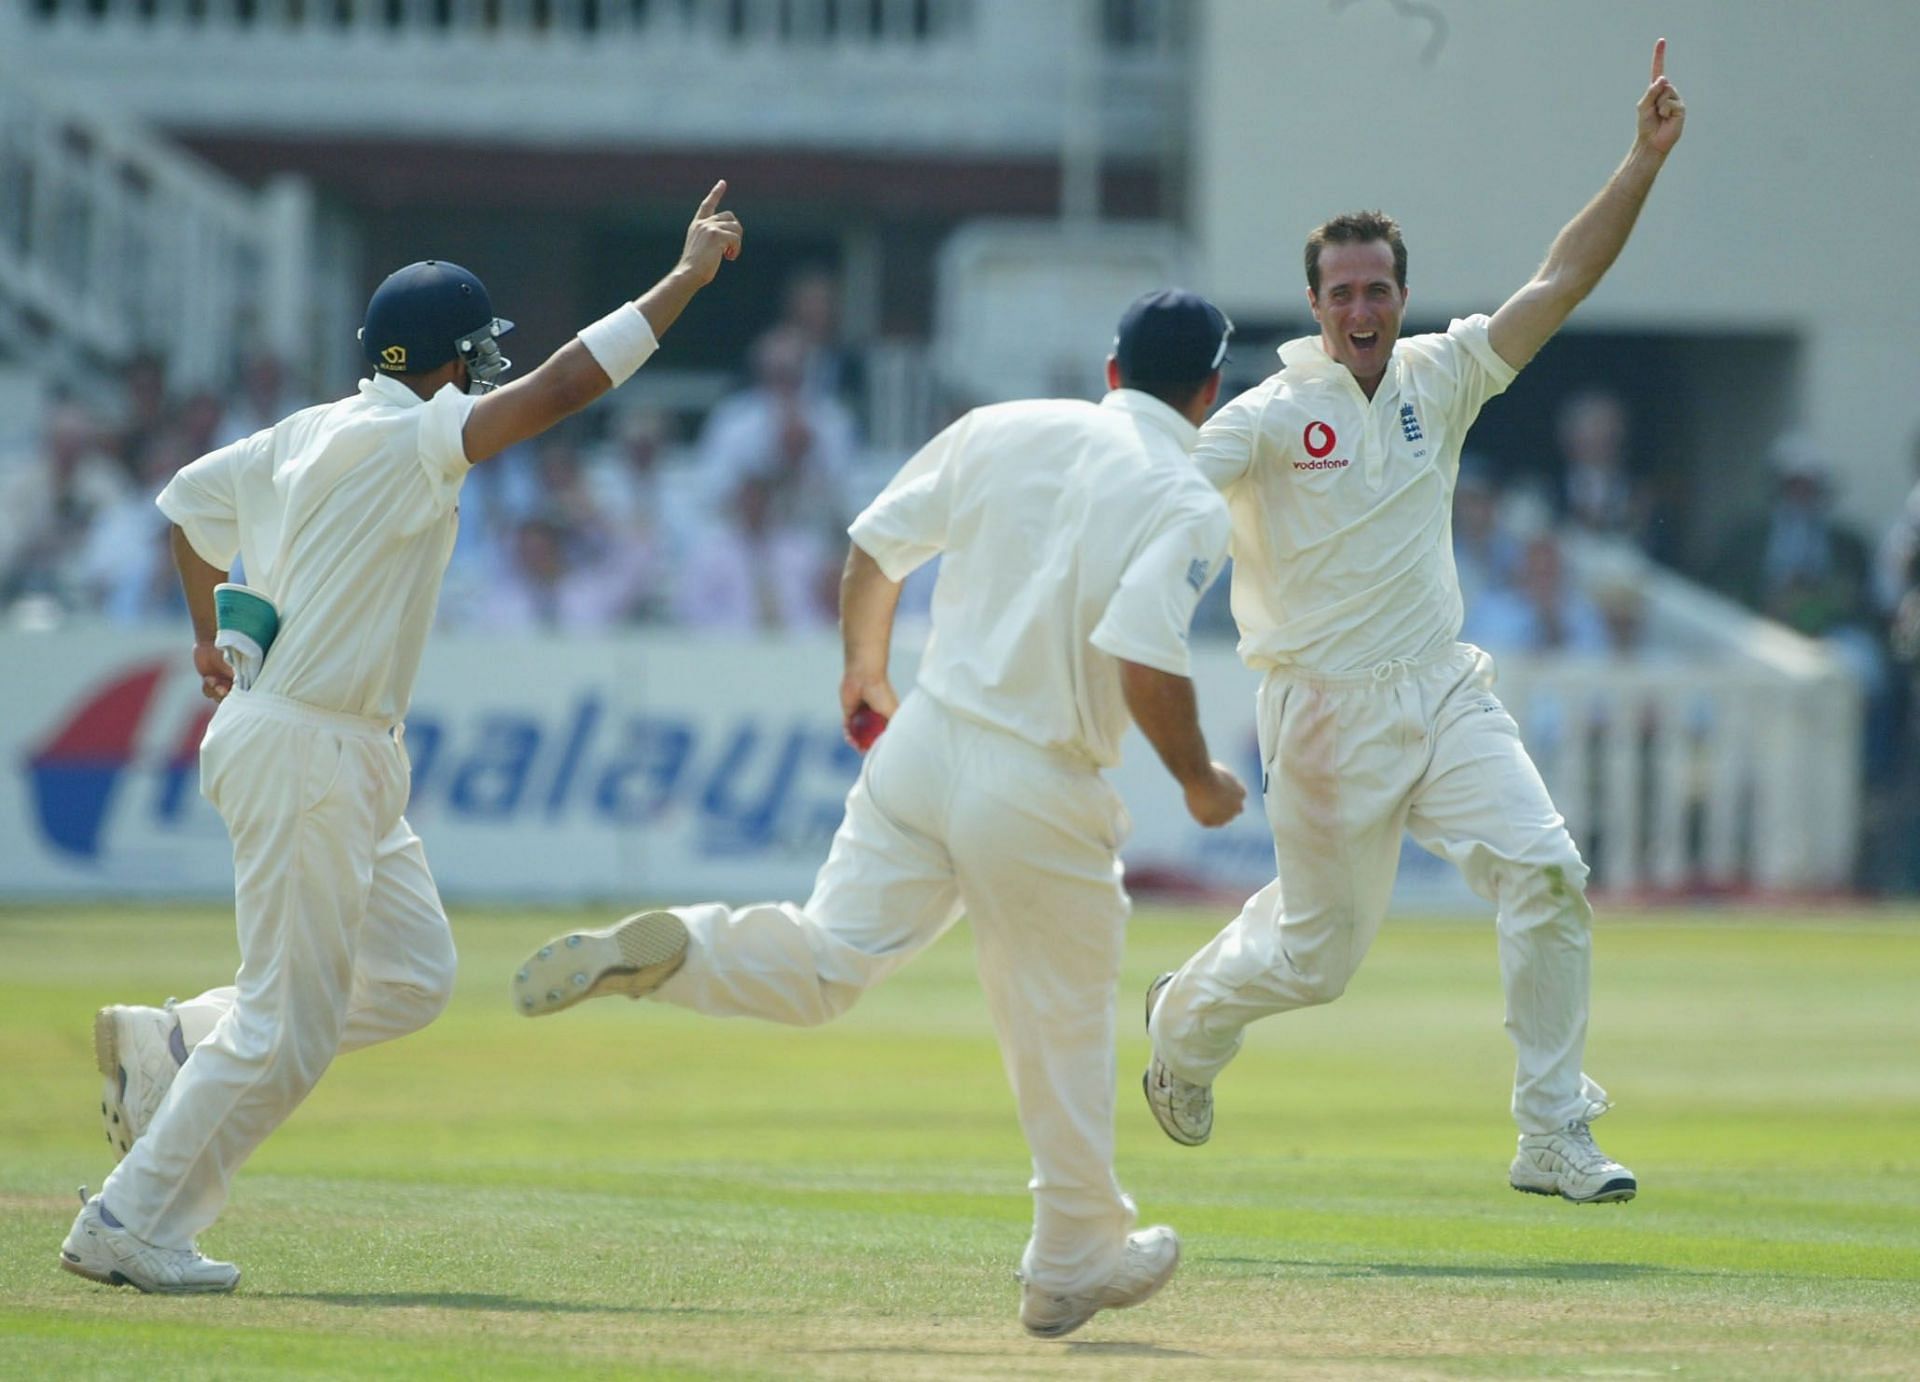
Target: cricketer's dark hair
x: 1357, y: 228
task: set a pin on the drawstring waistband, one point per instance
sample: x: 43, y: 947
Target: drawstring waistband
x: 1379, y: 674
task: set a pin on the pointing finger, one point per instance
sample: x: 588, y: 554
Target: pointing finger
x: 1659, y: 59
x: 713, y: 199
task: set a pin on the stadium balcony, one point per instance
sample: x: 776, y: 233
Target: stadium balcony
x: 943, y: 77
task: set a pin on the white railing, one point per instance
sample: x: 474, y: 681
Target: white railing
x: 1678, y: 777
x: 944, y: 76
x: 1725, y: 753
x: 112, y: 241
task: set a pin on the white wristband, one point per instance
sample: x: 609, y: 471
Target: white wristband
x: 620, y: 342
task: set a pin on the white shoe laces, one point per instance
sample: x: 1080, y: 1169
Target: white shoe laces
x: 1579, y: 1148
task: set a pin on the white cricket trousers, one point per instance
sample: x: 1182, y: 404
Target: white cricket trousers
x: 949, y: 815
x: 343, y: 943
x: 1351, y: 762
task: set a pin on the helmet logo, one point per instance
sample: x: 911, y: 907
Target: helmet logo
x: 394, y: 357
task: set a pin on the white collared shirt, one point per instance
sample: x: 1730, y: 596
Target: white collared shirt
x: 1073, y: 534
x: 344, y: 515
x: 1343, y: 507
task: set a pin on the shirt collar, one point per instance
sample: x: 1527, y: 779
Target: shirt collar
x: 382, y: 389
x: 1308, y: 355
x: 1151, y: 409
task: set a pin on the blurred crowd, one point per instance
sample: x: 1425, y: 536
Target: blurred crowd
x: 734, y: 519
x: 626, y: 516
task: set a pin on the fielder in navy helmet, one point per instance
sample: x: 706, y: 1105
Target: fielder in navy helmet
x: 344, y: 517
x: 431, y: 314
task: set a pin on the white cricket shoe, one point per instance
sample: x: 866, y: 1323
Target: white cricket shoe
x: 632, y: 957
x: 1183, y: 1109
x: 1568, y: 1164
x: 1145, y: 1267
x: 101, y: 1251
x: 139, y: 1051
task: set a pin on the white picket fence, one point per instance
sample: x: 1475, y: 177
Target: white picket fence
x: 1684, y: 777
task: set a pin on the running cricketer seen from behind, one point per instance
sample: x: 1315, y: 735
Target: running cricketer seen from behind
x: 1373, y: 719
x: 1076, y: 539
x: 344, y: 515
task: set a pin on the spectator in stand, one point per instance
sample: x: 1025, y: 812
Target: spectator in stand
x: 797, y: 443
x: 550, y: 586
x: 263, y: 399
x: 1622, y: 602
x: 194, y: 427
x: 647, y: 519
x: 1597, y: 493
x: 147, y: 415
x: 49, y: 498
x: 125, y: 565
x: 1541, y: 613
x: 1802, y: 566
x: 1899, y: 546
x: 812, y: 309
x: 563, y: 492
x: 1485, y: 550
x: 1797, y: 563
x: 1896, y: 783
x: 756, y: 569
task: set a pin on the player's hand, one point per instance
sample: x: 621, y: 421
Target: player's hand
x: 1662, y: 114
x: 714, y: 236
x: 1217, y: 798
x: 216, y: 675
x: 863, y: 690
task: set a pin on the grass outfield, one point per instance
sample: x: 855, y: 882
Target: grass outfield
x: 634, y: 1190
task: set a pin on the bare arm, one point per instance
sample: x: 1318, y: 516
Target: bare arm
x: 197, y: 580
x: 1163, y: 706
x: 1583, y: 252
x: 867, y: 603
x: 571, y: 378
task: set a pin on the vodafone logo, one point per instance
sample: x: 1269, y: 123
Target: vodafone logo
x: 1318, y: 439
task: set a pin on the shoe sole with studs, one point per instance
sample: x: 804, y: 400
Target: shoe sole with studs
x: 633, y: 957
x: 1613, y: 1192
x: 113, y: 1092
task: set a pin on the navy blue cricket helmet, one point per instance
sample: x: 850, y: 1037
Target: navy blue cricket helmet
x: 429, y: 313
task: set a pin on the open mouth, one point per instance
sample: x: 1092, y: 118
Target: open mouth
x: 1363, y: 340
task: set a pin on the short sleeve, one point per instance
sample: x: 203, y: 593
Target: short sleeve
x: 1224, y: 452
x: 1480, y: 373
x: 906, y: 525
x: 443, y: 425
x: 1148, y: 617
x: 203, y: 498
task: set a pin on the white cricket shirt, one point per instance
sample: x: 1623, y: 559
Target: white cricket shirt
x: 1343, y: 507
x: 344, y: 515
x: 1073, y: 534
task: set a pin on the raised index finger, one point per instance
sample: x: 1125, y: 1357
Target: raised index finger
x: 720, y: 190
x: 1659, y: 59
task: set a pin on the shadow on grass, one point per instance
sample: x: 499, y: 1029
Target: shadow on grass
x: 1532, y: 1271
x: 1081, y: 1347
x: 477, y: 1300
x: 1120, y: 1349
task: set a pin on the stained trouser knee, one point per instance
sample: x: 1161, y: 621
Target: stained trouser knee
x: 1550, y: 896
